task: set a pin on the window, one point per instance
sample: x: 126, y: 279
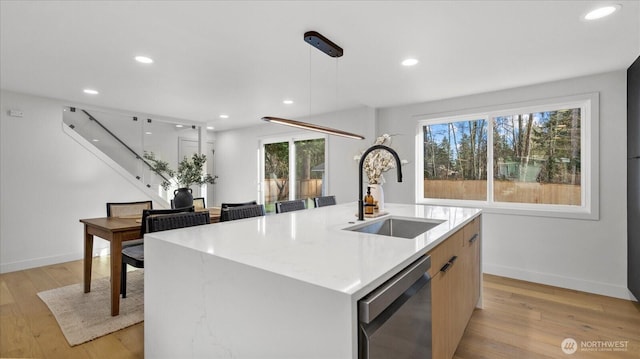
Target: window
x: 536, y: 157
x: 292, y: 169
x: 455, y: 159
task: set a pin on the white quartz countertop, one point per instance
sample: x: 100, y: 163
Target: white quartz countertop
x: 312, y: 245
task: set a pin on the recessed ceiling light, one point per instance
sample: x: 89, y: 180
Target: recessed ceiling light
x: 224, y: 116
x: 147, y: 133
x: 409, y: 62
x: 144, y: 59
x: 90, y: 91
x: 95, y: 140
x: 287, y: 102
x: 210, y: 127
x: 179, y: 126
x: 602, y: 12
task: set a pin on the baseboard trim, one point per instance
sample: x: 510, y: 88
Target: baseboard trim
x: 45, y: 261
x: 555, y: 280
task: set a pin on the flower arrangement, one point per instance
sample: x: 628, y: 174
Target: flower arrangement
x: 189, y: 170
x: 379, y: 161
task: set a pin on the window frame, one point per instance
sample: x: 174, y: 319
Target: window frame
x: 589, y: 151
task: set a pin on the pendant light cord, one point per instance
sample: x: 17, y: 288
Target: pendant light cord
x: 309, y: 83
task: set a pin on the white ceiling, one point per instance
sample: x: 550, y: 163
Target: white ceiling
x: 242, y: 58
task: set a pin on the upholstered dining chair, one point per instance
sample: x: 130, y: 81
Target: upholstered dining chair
x: 240, y: 212
x: 155, y: 221
x: 289, y: 206
x: 198, y: 203
x: 324, y: 201
x: 238, y: 204
x: 128, y: 209
x: 154, y: 212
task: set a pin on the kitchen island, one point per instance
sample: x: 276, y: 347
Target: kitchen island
x: 279, y: 286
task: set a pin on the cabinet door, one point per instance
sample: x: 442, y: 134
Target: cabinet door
x: 446, y: 291
x: 455, y: 287
x: 472, y: 244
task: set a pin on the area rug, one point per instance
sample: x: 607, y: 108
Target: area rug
x: 86, y: 316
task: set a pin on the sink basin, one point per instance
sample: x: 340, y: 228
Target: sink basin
x: 396, y: 227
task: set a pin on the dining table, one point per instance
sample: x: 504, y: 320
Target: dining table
x: 116, y: 230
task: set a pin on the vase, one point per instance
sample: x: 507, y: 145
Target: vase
x: 182, y: 197
x: 378, y: 194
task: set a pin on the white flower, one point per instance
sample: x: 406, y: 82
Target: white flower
x: 379, y: 161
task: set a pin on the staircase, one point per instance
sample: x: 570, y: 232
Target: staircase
x: 122, y: 140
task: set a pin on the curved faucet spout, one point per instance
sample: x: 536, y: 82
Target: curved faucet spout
x: 361, y: 166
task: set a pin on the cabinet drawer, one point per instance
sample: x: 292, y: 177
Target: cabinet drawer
x: 446, y: 250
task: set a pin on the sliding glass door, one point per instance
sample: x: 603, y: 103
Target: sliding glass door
x: 293, y: 168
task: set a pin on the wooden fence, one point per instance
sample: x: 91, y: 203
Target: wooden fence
x: 504, y: 191
x: 304, y: 189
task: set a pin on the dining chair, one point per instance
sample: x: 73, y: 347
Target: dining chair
x: 120, y: 209
x: 324, y: 201
x: 136, y: 248
x: 198, y: 203
x: 240, y: 212
x: 289, y: 206
x: 154, y: 212
x: 134, y: 255
x: 239, y: 204
x: 128, y: 209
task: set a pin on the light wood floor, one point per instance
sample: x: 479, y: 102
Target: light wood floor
x: 519, y: 320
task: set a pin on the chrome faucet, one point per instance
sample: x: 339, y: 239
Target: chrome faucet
x: 360, y: 167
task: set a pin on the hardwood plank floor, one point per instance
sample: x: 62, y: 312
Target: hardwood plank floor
x: 527, y: 320
x: 29, y: 330
x: 519, y: 320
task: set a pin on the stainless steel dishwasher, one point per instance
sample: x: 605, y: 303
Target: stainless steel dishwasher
x: 395, y: 319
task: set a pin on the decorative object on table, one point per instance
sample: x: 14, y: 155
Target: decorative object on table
x: 183, y: 197
x: 189, y: 173
x: 368, y: 202
x: 86, y: 316
x: 375, y: 164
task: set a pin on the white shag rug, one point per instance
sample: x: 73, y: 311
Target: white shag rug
x: 87, y: 316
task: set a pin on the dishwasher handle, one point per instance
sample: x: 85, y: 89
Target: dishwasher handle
x: 377, y: 301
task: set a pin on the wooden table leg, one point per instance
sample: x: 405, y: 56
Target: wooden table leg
x: 116, y: 268
x: 88, y: 259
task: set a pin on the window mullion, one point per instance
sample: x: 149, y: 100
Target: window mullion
x: 490, y: 158
x: 292, y: 169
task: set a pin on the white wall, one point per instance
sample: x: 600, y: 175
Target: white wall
x: 237, y: 156
x: 578, y: 254
x: 48, y: 181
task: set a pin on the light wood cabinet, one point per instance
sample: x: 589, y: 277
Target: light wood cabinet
x: 455, y: 287
x: 471, y: 242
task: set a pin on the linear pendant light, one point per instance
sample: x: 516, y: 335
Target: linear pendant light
x: 312, y: 127
x: 330, y: 48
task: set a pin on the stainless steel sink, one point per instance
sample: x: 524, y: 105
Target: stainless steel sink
x: 396, y: 227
